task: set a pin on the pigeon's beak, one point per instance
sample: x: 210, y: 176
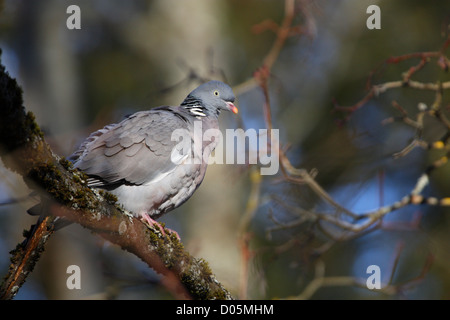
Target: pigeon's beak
x: 232, y: 107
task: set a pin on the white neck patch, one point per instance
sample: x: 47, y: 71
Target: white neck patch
x: 196, y: 111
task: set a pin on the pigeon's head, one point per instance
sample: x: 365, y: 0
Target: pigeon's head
x: 210, y: 98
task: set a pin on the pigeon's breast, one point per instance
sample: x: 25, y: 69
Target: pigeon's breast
x: 161, y: 194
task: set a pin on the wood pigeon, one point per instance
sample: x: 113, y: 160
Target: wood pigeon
x: 140, y: 162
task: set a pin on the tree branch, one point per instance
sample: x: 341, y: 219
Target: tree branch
x: 24, y: 150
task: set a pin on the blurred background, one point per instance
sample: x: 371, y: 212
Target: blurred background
x: 134, y: 55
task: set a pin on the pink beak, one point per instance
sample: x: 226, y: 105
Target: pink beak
x: 232, y: 107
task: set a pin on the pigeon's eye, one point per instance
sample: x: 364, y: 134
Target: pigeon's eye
x: 216, y: 93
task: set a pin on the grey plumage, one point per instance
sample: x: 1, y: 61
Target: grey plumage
x: 134, y: 159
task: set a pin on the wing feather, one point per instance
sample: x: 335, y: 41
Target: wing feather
x: 136, y: 150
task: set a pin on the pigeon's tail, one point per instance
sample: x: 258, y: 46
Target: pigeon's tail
x: 42, y: 209
x: 35, y: 210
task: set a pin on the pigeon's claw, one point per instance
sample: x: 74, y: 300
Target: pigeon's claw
x: 145, y: 218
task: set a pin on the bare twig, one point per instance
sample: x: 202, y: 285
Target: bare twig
x: 320, y: 280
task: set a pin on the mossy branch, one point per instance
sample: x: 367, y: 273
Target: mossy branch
x: 24, y: 150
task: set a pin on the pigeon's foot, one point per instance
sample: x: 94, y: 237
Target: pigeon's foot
x: 145, y: 218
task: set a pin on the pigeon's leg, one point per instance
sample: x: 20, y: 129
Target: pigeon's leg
x: 149, y: 221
